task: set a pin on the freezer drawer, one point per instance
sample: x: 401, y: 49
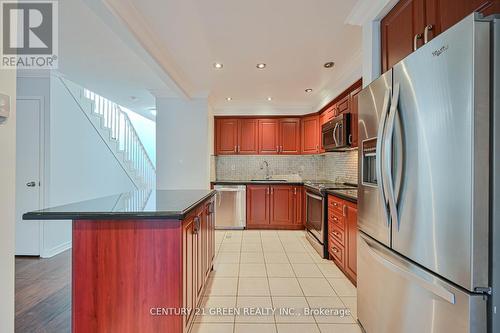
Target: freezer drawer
x: 395, y: 295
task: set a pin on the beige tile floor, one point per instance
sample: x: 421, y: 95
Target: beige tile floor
x: 260, y: 270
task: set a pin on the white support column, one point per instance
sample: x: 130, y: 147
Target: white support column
x: 182, y: 147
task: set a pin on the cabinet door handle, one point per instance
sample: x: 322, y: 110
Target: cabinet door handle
x: 295, y: 191
x: 344, y: 211
x: 350, y: 139
x: 267, y: 191
x: 196, y: 225
x: 281, y: 148
x: 272, y: 191
x: 336, y: 233
x: 335, y: 250
x: 235, y: 149
x: 415, y: 40
x: 428, y: 28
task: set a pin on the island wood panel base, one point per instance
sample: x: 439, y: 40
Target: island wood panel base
x: 121, y: 270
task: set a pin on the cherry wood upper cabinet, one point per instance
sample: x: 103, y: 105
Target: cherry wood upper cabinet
x: 403, y: 25
x: 442, y: 14
x: 248, y: 137
x: 226, y: 137
x: 310, y: 135
x: 354, y: 117
x: 289, y: 136
x: 257, y: 205
x: 343, y: 106
x: 282, y: 205
x: 410, y: 21
x: 268, y: 136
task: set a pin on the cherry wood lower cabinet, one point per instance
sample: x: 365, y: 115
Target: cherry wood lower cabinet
x: 342, y: 235
x: 275, y: 207
x: 128, y: 274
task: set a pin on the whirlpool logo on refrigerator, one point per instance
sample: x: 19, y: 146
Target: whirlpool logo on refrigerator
x: 29, y: 34
x: 440, y: 51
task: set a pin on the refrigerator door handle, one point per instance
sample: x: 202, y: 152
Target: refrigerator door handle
x: 379, y: 157
x: 388, y: 146
x: 423, y: 283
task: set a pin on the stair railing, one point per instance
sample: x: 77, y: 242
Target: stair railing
x: 123, y: 132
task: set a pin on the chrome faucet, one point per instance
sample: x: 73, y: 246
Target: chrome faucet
x: 267, y: 168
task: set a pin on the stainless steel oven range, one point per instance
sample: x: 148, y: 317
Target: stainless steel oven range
x: 316, y: 218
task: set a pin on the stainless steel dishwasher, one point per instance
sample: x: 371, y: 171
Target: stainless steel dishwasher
x: 230, y: 207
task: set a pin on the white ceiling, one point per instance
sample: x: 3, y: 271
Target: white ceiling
x: 97, y: 57
x: 293, y: 37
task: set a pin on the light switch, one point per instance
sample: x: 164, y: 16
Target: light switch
x: 4, y: 105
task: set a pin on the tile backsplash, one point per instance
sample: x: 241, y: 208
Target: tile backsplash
x: 338, y: 166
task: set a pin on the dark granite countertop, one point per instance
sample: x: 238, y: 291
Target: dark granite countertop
x: 349, y: 195
x: 256, y: 182
x: 160, y: 204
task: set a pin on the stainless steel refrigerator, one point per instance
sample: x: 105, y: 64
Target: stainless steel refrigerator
x: 426, y: 196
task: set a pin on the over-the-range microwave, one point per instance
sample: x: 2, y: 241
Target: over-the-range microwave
x: 336, y: 134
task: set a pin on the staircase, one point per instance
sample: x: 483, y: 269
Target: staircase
x: 116, y: 130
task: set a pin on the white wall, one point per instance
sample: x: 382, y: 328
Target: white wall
x: 182, y: 150
x: 7, y: 203
x: 79, y: 165
x: 367, y: 14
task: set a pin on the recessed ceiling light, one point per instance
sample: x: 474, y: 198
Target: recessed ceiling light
x: 329, y: 64
x: 269, y: 98
x: 261, y: 66
x: 229, y: 99
x: 309, y: 90
x: 218, y: 65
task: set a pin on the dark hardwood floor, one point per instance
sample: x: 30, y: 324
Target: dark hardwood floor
x: 43, y: 294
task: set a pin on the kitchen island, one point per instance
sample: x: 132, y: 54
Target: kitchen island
x: 140, y: 260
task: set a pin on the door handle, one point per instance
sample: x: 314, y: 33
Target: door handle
x: 335, y: 134
x: 388, y: 145
x: 31, y: 184
x: 350, y: 139
x: 415, y: 40
x: 379, y: 153
x: 423, y: 283
x: 196, y: 225
x: 427, y: 28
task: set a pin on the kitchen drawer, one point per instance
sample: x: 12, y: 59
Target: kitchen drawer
x: 335, y: 203
x: 336, y: 219
x: 337, y: 233
x: 336, y: 251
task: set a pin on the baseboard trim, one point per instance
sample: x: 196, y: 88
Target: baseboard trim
x: 48, y: 253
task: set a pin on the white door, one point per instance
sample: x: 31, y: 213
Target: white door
x: 27, y: 175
